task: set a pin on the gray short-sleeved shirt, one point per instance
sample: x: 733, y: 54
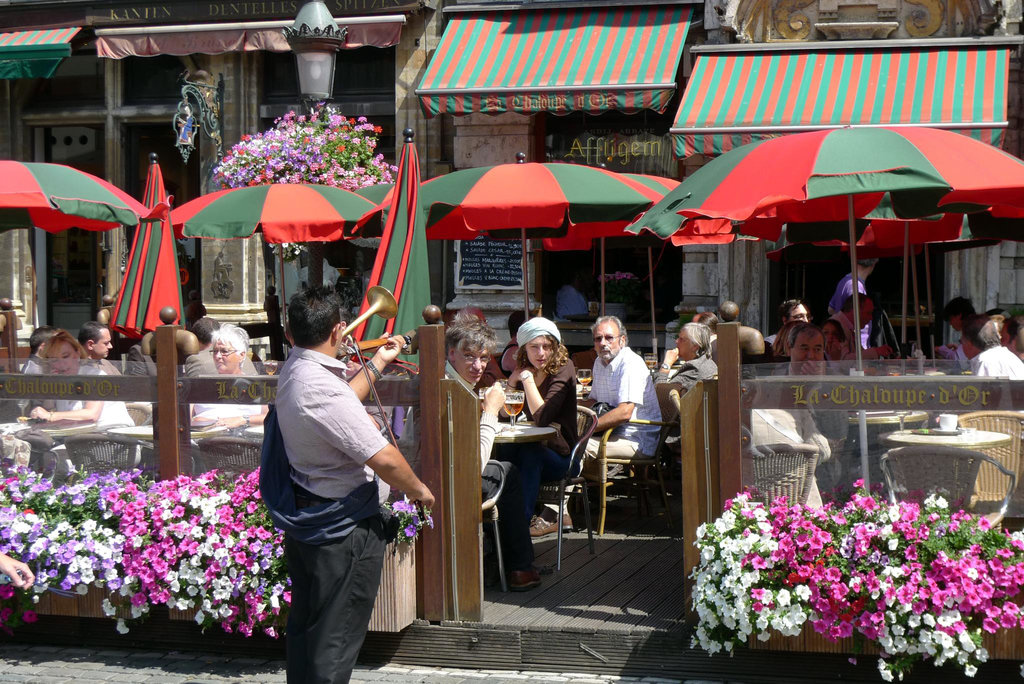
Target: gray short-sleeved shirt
x: 327, y: 432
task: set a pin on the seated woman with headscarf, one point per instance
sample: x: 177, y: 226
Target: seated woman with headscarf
x: 63, y: 355
x: 548, y: 380
x: 230, y: 346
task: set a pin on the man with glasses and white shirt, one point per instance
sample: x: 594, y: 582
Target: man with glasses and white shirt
x: 623, y: 382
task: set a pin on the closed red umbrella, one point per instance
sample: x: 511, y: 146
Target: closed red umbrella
x: 151, y: 278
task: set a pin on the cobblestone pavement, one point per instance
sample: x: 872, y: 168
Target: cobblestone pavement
x: 55, y: 665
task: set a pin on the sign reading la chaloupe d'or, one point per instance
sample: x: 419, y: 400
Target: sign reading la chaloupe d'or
x: 127, y: 13
x: 964, y: 393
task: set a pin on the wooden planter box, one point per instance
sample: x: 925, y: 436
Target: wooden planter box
x: 88, y: 605
x: 1005, y: 645
x: 395, y: 608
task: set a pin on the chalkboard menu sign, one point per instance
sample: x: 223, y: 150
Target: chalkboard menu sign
x: 489, y: 264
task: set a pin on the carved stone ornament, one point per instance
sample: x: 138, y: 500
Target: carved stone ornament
x: 764, y: 21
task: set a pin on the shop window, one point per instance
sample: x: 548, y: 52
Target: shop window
x: 633, y: 143
x: 78, y: 79
x: 72, y: 256
x: 151, y: 80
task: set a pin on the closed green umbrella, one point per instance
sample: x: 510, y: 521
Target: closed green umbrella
x: 401, y: 264
x: 151, y: 278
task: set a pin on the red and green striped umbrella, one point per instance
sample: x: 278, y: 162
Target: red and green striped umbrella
x: 55, y: 197
x: 548, y: 200
x: 810, y: 176
x: 285, y: 212
x: 401, y: 263
x: 151, y: 278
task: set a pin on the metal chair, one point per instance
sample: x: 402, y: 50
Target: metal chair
x: 554, y: 492
x: 912, y: 473
x: 96, y: 452
x: 230, y: 456
x: 989, y: 488
x: 489, y: 514
x: 774, y: 470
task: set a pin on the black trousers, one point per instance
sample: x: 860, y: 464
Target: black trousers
x: 516, y: 544
x: 333, y: 590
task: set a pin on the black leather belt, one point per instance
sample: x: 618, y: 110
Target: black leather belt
x: 305, y: 498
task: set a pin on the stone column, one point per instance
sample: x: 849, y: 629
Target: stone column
x: 233, y: 278
x: 742, y: 277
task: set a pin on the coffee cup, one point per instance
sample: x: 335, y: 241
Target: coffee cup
x: 947, y: 422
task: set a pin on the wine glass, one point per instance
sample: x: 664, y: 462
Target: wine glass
x: 651, y: 360
x: 902, y: 415
x: 584, y: 376
x: 514, y: 404
x: 270, y: 367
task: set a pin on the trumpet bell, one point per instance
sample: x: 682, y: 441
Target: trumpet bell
x: 381, y: 302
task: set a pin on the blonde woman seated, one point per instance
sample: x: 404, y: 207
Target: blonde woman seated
x: 62, y: 355
x: 230, y: 347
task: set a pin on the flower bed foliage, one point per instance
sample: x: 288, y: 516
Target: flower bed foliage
x: 921, y: 582
x: 201, y: 544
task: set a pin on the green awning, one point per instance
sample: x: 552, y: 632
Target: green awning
x: 736, y: 95
x: 559, y: 60
x: 34, y: 54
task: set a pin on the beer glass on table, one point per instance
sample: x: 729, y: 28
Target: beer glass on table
x: 514, y: 404
x: 584, y: 376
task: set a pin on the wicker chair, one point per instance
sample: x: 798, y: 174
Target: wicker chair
x: 989, y: 490
x: 140, y: 412
x: 230, y: 456
x: 912, y: 473
x: 774, y: 470
x: 636, y: 468
x: 101, y: 453
x: 554, y: 492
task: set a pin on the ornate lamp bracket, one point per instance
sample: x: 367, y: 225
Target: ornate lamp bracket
x: 200, y: 108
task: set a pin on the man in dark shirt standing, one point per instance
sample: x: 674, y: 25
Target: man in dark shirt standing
x: 336, y: 454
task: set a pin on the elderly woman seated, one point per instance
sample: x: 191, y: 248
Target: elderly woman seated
x: 63, y: 355
x: 230, y: 346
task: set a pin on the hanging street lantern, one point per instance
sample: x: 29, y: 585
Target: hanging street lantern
x: 315, y: 38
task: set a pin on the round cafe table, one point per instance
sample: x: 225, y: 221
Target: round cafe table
x: 522, y: 434
x: 890, y: 417
x: 964, y: 439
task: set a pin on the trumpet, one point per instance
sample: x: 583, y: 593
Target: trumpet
x: 381, y: 303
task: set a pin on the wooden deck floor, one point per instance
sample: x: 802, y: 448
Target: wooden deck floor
x: 633, y: 582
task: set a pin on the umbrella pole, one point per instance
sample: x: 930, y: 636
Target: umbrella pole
x: 602, y: 277
x: 650, y: 283
x: 284, y: 297
x: 928, y: 286
x: 917, y: 302
x: 862, y: 419
x: 526, y: 277
x: 854, y: 283
x: 906, y: 266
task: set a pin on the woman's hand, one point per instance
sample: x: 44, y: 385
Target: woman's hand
x: 41, y: 414
x: 529, y: 376
x: 671, y: 356
x: 231, y: 422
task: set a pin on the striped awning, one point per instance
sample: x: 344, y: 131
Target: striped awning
x: 736, y: 96
x: 560, y: 60
x: 34, y: 54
